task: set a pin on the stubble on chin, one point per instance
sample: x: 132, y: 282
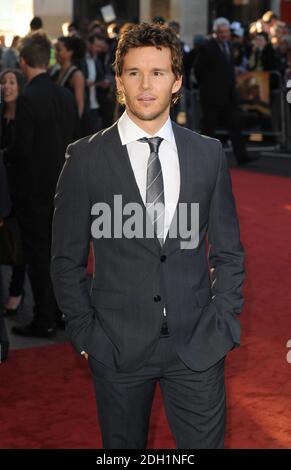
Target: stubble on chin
x: 146, y: 117
x: 150, y: 116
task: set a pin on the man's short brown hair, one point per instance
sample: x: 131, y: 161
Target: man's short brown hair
x: 144, y: 35
x: 35, y: 50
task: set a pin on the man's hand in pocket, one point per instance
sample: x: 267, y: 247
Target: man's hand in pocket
x: 85, y: 355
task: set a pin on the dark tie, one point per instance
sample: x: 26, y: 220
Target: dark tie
x: 225, y: 50
x: 155, y: 187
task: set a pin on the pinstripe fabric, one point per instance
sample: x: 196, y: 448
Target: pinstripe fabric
x: 155, y: 201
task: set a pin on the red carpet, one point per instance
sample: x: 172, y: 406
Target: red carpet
x: 46, y: 394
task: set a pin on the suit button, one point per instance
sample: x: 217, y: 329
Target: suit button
x: 157, y: 298
x: 163, y: 258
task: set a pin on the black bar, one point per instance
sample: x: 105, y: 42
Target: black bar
x: 195, y: 458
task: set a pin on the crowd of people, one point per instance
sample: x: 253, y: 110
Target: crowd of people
x: 82, y: 60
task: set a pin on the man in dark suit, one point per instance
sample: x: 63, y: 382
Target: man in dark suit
x: 5, y: 202
x: 154, y: 313
x: 215, y: 73
x: 96, y: 81
x: 46, y: 122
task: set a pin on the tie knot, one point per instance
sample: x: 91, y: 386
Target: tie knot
x: 154, y: 142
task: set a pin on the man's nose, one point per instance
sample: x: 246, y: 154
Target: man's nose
x: 145, y: 83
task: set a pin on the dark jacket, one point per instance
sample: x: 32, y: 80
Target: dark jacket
x: 5, y: 202
x: 215, y: 75
x: 46, y: 122
x: 119, y: 321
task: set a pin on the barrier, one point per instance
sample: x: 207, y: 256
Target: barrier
x: 264, y: 111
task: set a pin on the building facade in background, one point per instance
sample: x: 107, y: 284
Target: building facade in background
x: 15, y: 16
x: 195, y: 16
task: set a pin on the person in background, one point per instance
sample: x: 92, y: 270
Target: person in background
x: 106, y: 83
x: 277, y: 32
x: 12, y: 84
x: 73, y: 30
x: 95, y: 81
x: 239, y: 47
x: 215, y: 73
x: 262, y: 56
x: 5, y: 200
x: 46, y: 121
x: 36, y: 24
x: 177, y: 28
x: 5, y: 209
x: 69, y: 54
x: 189, y: 60
x: 97, y: 27
x: 285, y: 49
x: 10, y: 59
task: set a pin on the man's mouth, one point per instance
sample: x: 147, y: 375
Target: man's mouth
x: 146, y: 98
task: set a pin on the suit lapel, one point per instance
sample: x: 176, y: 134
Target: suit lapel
x: 183, y: 149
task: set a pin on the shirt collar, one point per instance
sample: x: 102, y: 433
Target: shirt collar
x: 89, y: 56
x: 130, y: 132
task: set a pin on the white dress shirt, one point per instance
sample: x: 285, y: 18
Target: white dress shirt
x: 139, y: 153
x: 93, y: 102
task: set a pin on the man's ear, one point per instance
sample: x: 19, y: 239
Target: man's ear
x: 22, y: 64
x: 119, y: 84
x: 177, y: 84
x: 119, y: 90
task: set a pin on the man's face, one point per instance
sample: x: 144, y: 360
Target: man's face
x: 98, y: 47
x: 10, y: 87
x: 72, y: 31
x: 223, y: 33
x: 148, y: 82
x: 260, y: 42
x: 62, y: 53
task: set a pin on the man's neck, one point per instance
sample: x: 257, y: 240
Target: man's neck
x: 150, y: 127
x: 32, y: 73
x: 92, y: 55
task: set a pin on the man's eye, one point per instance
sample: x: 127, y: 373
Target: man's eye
x: 132, y: 74
x: 158, y: 74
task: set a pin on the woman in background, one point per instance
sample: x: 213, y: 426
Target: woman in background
x: 69, y: 53
x: 12, y: 83
x: 5, y: 208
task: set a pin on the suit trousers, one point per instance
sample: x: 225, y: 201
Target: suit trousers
x: 194, y: 401
x: 34, y: 216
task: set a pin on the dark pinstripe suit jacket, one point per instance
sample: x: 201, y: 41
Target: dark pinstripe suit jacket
x: 119, y: 320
